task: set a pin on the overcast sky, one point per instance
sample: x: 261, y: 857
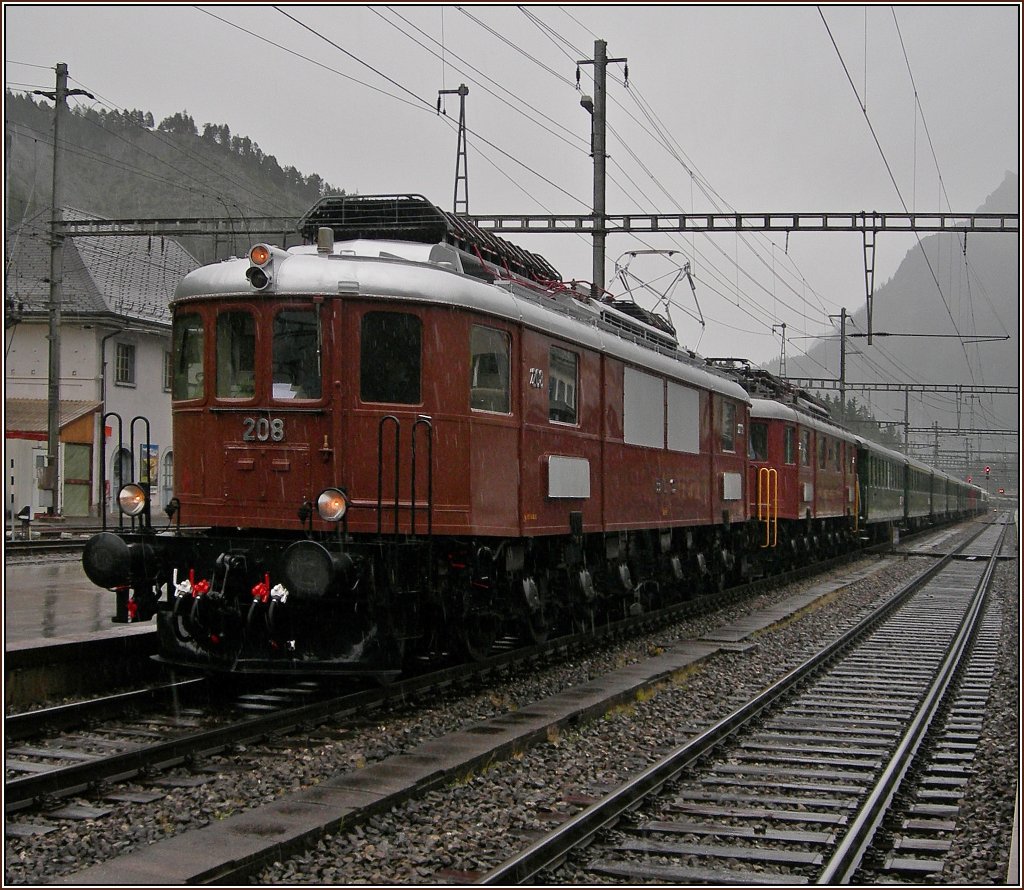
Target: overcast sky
x: 747, y: 108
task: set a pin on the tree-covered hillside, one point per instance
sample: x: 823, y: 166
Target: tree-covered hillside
x: 123, y: 164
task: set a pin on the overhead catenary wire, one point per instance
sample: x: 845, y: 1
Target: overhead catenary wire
x: 899, y: 194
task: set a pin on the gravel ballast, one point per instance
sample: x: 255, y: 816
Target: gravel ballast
x: 455, y: 834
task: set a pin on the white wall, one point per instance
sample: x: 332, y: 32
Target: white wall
x: 25, y: 377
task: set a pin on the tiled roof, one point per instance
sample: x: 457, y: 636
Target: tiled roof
x: 32, y: 415
x: 133, y: 276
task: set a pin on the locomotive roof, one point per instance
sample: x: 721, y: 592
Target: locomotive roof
x: 435, y: 274
x: 773, y: 410
x: 414, y: 218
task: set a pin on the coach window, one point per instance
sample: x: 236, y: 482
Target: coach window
x: 488, y: 370
x: 562, y: 384
x: 236, y: 352
x: 757, y: 445
x: 187, y: 337
x: 728, y: 426
x: 390, y: 358
x: 789, y: 445
x: 296, y: 354
x: 805, y: 448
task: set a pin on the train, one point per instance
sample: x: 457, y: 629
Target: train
x: 408, y: 439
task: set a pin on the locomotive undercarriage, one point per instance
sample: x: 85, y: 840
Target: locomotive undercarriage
x: 225, y: 601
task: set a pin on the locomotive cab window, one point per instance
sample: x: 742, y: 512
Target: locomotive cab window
x: 728, y: 426
x: 296, y: 355
x: 789, y: 445
x: 391, y: 358
x: 562, y: 385
x: 187, y: 379
x: 805, y: 448
x: 489, y: 370
x: 236, y: 354
x: 757, y: 445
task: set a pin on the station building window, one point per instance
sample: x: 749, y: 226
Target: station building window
x: 489, y: 388
x: 391, y: 358
x: 124, y: 364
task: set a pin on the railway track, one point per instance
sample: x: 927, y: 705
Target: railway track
x: 43, y: 547
x: 225, y: 850
x: 156, y: 729
x: 794, y: 786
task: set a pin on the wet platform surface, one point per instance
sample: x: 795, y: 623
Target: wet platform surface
x: 46, y: 601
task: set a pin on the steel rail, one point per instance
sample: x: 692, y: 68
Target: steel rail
x: 550, y: 850
x: 26, y: 724
x: 21, y: 793
x: 849, y: 853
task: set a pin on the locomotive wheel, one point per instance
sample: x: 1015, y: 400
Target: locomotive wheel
x: 477, y: 632
x: 584, y: 618
x: 535, y: 621
x: 537, y: 625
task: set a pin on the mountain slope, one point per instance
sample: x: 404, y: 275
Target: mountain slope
x: 935, y: 292
x: 123, y: 165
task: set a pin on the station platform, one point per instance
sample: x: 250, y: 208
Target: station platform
x: 54, y: 600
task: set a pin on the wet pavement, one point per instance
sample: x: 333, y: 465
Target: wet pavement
x: 53, y: 600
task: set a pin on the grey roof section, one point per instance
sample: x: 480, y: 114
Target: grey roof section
x: 132, y: 276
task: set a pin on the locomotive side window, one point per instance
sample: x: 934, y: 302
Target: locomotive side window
x: 390, y: 361
x: 805, y: 447
x: 683, y: 418
x: 789, y: 445
x: 643, y: 409
x: 187, y: 382
x: 728, y: 426
x: 236, y: 353
x: 296, y: 355
x: 757, y: 445
x: 562, y: 385
x: 822, y: 452
x: 489, y: 370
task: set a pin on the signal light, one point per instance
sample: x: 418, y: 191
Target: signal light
x: 987, y: 470
x: 259, y: 271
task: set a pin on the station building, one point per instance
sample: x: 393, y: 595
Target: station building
x: 115, y: 365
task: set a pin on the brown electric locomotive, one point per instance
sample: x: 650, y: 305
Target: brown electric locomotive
x: 410, y: 438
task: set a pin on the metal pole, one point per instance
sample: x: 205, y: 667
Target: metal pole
x: 56, y: 281
x: 906, y: 421
x: 600, y: 105
x: 842, y: 363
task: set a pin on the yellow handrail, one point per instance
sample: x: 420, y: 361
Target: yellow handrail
x: 768, y: 504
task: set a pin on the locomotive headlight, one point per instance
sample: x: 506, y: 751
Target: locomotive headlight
x: 131, y: 499
x: 311, y: 571
x: 332, y: 505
